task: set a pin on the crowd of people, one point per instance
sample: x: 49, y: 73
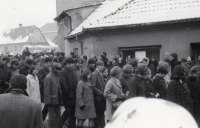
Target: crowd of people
x: 33, y: 86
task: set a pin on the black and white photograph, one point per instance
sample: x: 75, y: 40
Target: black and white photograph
x: 100, y: 64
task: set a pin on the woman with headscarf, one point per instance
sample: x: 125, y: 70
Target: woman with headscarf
x: 113, y: 92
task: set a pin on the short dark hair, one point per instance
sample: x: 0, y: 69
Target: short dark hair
x: 85, y: 57
x: 18, y: 81
x: 32, y: 67
x: 70, y: 61
x: 72, y: 53
x: 14, y: 62
x: 91, y: 61
x: 62, y: 54
x: 84, y: 74
x: 175, y: 56
x: 133, y: 63
x: 48, y: 59
x: 163, y: 68
x: 29, y: 61
x: 178, y: 73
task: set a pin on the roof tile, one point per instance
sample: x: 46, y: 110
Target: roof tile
x: 130, y: 12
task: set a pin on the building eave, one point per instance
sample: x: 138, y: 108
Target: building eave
x: 63, y: 14
x: 134, y: 26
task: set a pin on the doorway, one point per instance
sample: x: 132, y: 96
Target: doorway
x: 147, y: 51
x: 195, y: 50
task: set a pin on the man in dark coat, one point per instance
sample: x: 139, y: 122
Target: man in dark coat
x: 52, y: 94
x: 137, y: 87
x: 42, y: 73
x: 98, y: 83
x: 17, y: 110
x: 24, y: 69
x: 68, y: 82
x: 125, y: 78
x: 91, y: 65
x: 104, y: 58
x: 174, y: 61
x: 4, y: 74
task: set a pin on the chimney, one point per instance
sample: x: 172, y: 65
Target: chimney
x: 20, y: 25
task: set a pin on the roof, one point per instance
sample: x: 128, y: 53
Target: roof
x: 51, y: 43
x: 135, y: 12
x: 106, y: 8
x: 16, y: 35
x: 49, y: 27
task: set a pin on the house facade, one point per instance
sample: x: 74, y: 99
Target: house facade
x: 140, y: 28
x: 70, y: 13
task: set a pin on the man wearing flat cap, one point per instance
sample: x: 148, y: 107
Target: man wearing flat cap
x: 98, y: 84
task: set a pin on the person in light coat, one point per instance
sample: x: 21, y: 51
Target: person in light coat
x: 85, y: 108
x: 33, y: 87
x: 113, y: 92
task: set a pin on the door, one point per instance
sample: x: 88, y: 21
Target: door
x: 147, y: 51
x: 195, y: 50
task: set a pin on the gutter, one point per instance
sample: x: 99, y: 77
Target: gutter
x: 134, y: 26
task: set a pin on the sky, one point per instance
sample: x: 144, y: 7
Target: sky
x: 26, y: 12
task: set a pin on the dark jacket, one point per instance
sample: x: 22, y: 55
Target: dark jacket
x: 19, y: 111
x: 149, y: 89
x: 52, y: 90
x: 13, y: 71
x: 24, y: 70
x: 160, y: 86
x: 98, y: 83
x: 153, y: 70
x: 174, y: 63
x: 26, y: 53
x: 180, y: 94
x: 42, y: 73
x: 125, y: 82
x: 194, y: 86
x: 137, y: 87
x: 68, y: 82
x: 4, y: 78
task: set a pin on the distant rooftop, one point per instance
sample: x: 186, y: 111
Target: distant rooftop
x: 49, y: 27
x: 16, y: 35
x: 114, y: 13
